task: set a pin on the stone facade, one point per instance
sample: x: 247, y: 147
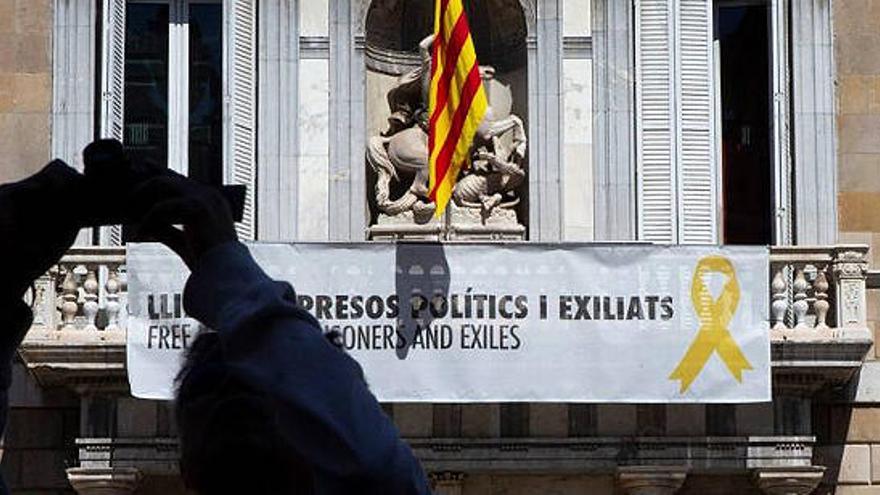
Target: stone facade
x: 25, y: 86
x: 41, y: 453
x: 850, y: 442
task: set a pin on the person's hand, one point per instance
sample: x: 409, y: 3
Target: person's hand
x: 39, y: 219
x: 172, y: 200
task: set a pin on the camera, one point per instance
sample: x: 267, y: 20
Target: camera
x: 111, y: 175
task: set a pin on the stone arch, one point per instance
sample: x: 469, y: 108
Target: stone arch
x: 529, y: 10
x: 393, y: 29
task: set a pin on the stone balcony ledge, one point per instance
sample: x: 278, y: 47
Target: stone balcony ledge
x: 817, y: 316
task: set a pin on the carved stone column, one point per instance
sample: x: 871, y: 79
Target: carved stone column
x: 104, y: 481
x: 651, y: 480
x: 788, y: 480
x: 447, y: 483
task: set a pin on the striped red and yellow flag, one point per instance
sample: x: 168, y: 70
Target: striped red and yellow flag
x: 457, y: 100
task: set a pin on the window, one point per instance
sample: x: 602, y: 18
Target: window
x: 173, y: 86
x: 734, y: 128
x: 675, y: 122
x: 178, y: 86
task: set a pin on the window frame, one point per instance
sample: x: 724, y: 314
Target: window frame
x: 239, y: 96
x: 178, y: 78
x: 804, y: 135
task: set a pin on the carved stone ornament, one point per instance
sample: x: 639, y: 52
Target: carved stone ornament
x: 850, y: 264
x: 489, y: 187
x: 446, y: 477
x: 447, y: 482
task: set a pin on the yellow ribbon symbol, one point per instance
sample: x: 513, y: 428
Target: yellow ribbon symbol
x: 714, y: 315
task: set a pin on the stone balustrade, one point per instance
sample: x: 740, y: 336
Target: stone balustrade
x: 818, y: 291
x: 83, y: 298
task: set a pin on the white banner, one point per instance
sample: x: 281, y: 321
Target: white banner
x: 500, y: 323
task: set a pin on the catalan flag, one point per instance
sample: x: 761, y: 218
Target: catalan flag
x: 457, y: 100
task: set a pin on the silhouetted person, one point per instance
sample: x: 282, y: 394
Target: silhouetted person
x: 39, y: 219
x: 266, y: 404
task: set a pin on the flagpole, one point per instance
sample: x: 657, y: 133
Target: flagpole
x: 447, y: 220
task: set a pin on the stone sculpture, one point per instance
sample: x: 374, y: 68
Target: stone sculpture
x: 487, y: 190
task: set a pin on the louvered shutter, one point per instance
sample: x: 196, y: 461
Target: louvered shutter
x: 113, y: 88
x: 675, y: 122
x: 697, y: 196
x: 113, y: 69
x: 783, y: 234
x: 240, y: 103
x: 655, y: 132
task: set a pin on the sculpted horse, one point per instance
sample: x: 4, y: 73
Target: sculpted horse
x: 403, y: 156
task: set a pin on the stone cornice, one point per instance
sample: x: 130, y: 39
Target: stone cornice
x: 81, y: 366
x: 705, y: 455
x: 606, y: 454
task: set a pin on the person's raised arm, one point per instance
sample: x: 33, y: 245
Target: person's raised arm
x: 38, y: 223
x: 329, y: 416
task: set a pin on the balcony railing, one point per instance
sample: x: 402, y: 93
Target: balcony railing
x: 83, y: 298
x: 816, y: 309
x: 818, y: 292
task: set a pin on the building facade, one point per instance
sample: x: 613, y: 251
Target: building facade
x: 669, y: 121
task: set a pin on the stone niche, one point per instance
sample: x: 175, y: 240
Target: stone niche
x: 491, y: 198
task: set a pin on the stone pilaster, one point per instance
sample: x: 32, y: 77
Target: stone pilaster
x: 447, y: 483
x: 104, y: 481
x: 850, y: 268
x: 651, y: 480
x: 788, y: 480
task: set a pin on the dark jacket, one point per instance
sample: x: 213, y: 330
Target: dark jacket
x: 330, y: 418
x: 15, y: 320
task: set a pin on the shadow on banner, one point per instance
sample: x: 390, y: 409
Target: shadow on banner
x: 422, y: 285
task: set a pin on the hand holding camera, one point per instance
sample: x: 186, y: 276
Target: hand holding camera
x: 111, y: 173
x: 41, y: 215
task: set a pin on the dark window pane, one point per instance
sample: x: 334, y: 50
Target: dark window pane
x: 205, y: 93
x: 146, y: 82
x: 746, y: 142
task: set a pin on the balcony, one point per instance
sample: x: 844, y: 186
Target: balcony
x: 78, y: 333
x: 816, y: 309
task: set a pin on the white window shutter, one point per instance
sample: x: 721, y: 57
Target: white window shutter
x: 240, y: 26
x: 697, y: 198
x: 113, y: 89
x: 655, y: 131
x: 782, y: 145
x: 675, y: 122
x: 113, y: 70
